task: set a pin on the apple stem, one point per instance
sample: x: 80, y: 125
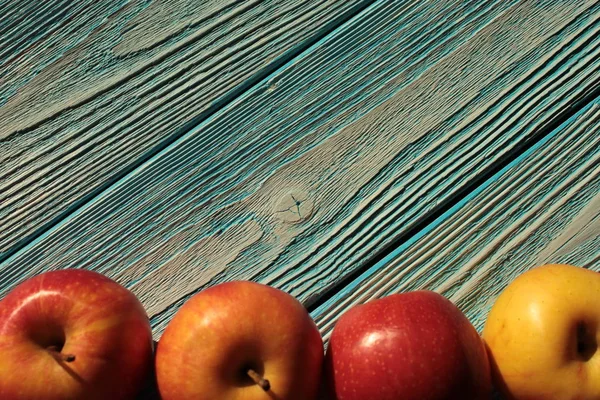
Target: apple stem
x: 53, y: 350
x: 259, y: 380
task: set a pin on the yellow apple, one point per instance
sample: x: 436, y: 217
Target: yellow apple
x: 542, y: 334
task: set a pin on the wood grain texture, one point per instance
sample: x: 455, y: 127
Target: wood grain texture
x: 369, y: 132
x: 36, y: 33
x: 543, y: 208
x: 90, y: 88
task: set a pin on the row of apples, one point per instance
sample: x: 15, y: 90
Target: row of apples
x: 76, y: 334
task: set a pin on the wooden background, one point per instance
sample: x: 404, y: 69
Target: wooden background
x: 339, y: 150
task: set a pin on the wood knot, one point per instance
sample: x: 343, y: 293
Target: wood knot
x: 294, y: 207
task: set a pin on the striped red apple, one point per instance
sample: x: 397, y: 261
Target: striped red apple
x: 73, y: 334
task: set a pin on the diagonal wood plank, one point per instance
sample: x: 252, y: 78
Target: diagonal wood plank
x: 90, y: 89
x: 217, y: 204
x: 543, y: 208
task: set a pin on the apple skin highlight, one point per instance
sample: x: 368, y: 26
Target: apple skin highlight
x: 73, y: 334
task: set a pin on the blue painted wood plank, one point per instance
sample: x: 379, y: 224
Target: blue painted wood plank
x: 542, y: 208
x: 369, y: 131
x: 90, y: 89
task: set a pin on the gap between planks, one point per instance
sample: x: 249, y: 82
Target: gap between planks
x: 542, y: 207
x: 474, y: 186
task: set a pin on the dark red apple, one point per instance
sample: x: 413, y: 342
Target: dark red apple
x: 410, y: 346
x: 73, y: 334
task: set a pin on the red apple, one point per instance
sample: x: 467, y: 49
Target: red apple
x: 410, y: 346
x: 242, y: 341
x: 72, y: 334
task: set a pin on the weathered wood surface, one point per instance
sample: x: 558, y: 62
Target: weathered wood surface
x: 543, y: 208
x: 90, y: 88
x: 370, y: 131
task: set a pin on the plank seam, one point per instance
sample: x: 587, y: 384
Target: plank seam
x: 452, y: 217
x: 453, y: 201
